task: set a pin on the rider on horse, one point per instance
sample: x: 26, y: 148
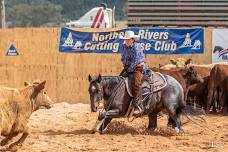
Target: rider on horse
x: 133, y: 60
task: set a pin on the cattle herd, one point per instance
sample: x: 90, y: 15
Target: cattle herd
x: 207, y: 86
x: 204, y: 85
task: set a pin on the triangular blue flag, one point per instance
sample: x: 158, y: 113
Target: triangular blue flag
x: 12, y: 51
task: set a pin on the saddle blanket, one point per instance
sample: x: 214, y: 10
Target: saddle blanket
x: 153, y: 83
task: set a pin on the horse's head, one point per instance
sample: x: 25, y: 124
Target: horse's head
x: 217, y: 48
x: 191, y: 76
x: 96, y: 92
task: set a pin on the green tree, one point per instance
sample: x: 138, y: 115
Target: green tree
x: 42, y: 12
x: 34, y: 14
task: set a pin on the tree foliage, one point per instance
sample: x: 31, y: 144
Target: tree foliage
x: 35, y: 13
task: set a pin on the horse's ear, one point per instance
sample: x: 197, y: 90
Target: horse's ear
x: 40, y: 86
x: 99, y: 78
x: 173, y: 62
x: 217, y: 48
x: 160, y: 65
x: 89, y: 78
x: 26, y: 83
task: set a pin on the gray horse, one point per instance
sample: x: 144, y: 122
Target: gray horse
x: 117, y: 100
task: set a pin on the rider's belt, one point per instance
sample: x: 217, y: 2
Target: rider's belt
x: 141, y: 65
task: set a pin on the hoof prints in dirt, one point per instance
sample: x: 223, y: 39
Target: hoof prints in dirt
x: 119, y: 127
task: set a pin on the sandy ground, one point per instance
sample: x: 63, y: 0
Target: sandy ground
x: 67, y: 127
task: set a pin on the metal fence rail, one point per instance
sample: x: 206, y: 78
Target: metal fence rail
x: 178, y: 13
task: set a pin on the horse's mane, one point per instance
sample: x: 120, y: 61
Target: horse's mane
x: 112, y: 79
x: 109, y: 77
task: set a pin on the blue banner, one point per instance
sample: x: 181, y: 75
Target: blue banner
x: 153, y: 40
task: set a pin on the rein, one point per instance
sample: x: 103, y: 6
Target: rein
x: 113, y: 95
x: 111, y: 99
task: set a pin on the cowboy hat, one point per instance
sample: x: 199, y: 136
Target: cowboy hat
x: 129, y: 35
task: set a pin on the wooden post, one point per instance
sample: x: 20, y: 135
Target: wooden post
x: 2, y: 14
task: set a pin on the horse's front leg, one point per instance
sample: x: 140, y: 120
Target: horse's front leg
x: 8, y: 138
x: 152, y: 121
x: 114, y: 113
x: 104, y: 119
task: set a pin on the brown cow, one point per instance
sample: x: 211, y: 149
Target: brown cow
x: 176, y: 63
x: 217, y: 76
x: 224, y: 95
x: 199, y: 90
x: 16, y: 107
x: 185, y: 76
x: 202, y: 71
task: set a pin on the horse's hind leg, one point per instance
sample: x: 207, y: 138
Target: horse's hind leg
x: 174, y: 114
x: 171, y: 123
x: 178, y: 120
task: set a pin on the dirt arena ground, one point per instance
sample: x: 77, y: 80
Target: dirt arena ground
x: 67, y: 128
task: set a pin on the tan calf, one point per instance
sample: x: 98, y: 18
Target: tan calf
x: 16, y: 106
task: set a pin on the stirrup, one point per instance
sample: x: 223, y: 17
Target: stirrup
x: 138, y: 109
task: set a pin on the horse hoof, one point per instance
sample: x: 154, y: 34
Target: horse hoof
x: 98, y: 131
x: 93, y: 131
x: 151, y: 128
x: 4, y: 142
x: 14, y: 148
x: 177, y: 130
x: 170, y: 125
x: 97, y: 128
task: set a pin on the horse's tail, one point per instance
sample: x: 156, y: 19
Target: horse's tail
x: 191, y: 110
x: 197, y: 112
